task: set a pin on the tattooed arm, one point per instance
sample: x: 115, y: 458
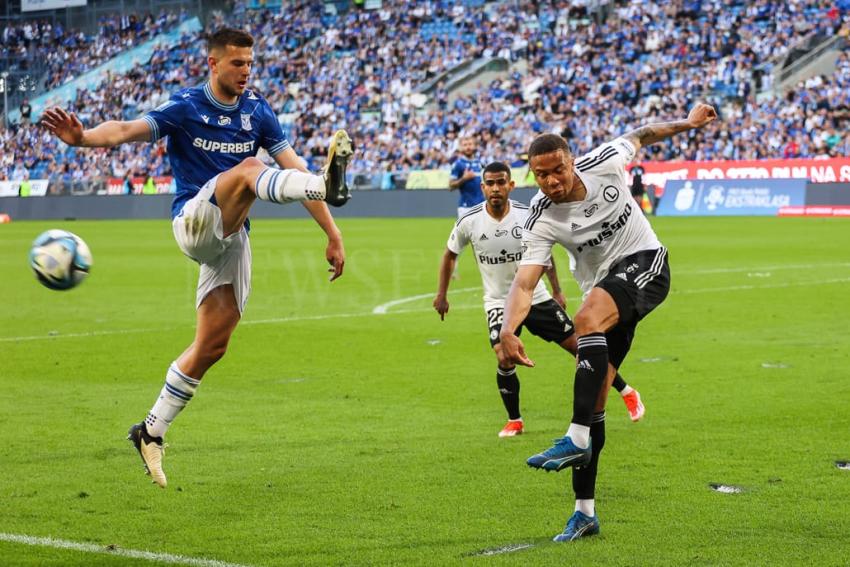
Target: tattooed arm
x: 700, y: 115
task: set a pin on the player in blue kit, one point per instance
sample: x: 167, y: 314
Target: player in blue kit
x: 466, y: 176
x: 214, y: 132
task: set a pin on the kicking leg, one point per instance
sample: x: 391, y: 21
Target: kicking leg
x: 238, y: 187
x: 596, y: 315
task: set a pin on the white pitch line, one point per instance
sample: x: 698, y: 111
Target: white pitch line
x: 765, y: 286
x: 506, y: 549
x: 763, y: 268
x: 86, y: 334
x: 397, y: 312
x: 119, y: 551
x: 382, y: 308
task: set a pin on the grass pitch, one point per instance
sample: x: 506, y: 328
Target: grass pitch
x: 330, y: 435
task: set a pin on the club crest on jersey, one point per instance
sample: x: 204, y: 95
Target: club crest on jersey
x: 610, y: 193
x: 223, y: 120
x: 516, y: 232
x: 588, y: 212
x: 246, y: 122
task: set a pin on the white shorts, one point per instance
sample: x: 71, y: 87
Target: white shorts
x: 224, y: 260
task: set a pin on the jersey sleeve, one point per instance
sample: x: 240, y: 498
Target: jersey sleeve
x: 166, y: 118
x: 457, y: 170
x: 458, y: 239
x: 536, y: 249
x: 273, y: 139
x: 614, y: 155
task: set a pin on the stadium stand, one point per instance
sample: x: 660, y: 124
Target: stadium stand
x: 365, y: 69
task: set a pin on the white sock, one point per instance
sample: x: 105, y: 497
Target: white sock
x: 580, y: 434
x: 627, y: 390
x: 586, y: 507
x: 287, y: 185
x: 176, y: 393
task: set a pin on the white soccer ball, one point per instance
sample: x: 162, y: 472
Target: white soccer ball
x: 60, y: 259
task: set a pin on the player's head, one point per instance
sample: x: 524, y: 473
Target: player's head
x: 496, y: 183
x: 551, y: 162
x: 230, y: 54
x: 468, y: 146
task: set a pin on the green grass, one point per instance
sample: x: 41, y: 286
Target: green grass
x: 360, y: 439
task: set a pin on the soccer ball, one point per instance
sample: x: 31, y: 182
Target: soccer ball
x: 60, y: 259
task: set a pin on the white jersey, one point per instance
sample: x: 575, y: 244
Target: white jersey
x: 498, y: 249
x: 597, y: 232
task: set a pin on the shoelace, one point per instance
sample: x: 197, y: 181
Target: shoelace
x: 558, y: 443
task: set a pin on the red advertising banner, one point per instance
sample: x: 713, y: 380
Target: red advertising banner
x: 114, y: 186
x: 815, y: 211
x: 816, y: 170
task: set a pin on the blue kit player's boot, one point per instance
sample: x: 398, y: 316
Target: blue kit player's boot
x: 151, y: 449
x: 561, y: 455
x: 579, y: 525
x: 339, y: 153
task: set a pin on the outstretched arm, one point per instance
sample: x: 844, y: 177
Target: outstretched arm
x: 68, y: 128
x: 699, y: 116
x: 517, y: 306
x: 447, y: 266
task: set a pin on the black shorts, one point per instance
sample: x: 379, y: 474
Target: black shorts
x: 638, y: 283
x: 547, y: 320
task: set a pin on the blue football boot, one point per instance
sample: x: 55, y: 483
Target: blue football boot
x: 561, y: 455
x: 579, y: 525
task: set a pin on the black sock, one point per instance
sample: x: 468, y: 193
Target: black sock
x: 619, y: 383
x: 508, y: 383
x: 591, y: 369
x: 584, y: 479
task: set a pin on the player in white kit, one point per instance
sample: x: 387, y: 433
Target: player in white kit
x: 585, y: 205
x: 494, y: 230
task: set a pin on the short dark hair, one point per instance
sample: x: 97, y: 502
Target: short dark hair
x: 496, y: 167
x: 229, y: 36
x: 547, y: 143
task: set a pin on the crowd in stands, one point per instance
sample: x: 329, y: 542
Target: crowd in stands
x: 590, y: 75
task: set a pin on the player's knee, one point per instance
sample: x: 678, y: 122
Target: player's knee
x: 251, y: 163
x: 587, y: 322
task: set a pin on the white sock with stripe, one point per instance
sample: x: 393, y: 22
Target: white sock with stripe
x: 288, y: 185
x: 176, y: 393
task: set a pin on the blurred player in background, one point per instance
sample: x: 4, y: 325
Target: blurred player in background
x: 466, y: 176
x: 466, y: 179
x: 214, y: 131
x: 494, y: 230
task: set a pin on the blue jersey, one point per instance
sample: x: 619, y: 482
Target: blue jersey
x: 470, y: 190
x: 206, y: 137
